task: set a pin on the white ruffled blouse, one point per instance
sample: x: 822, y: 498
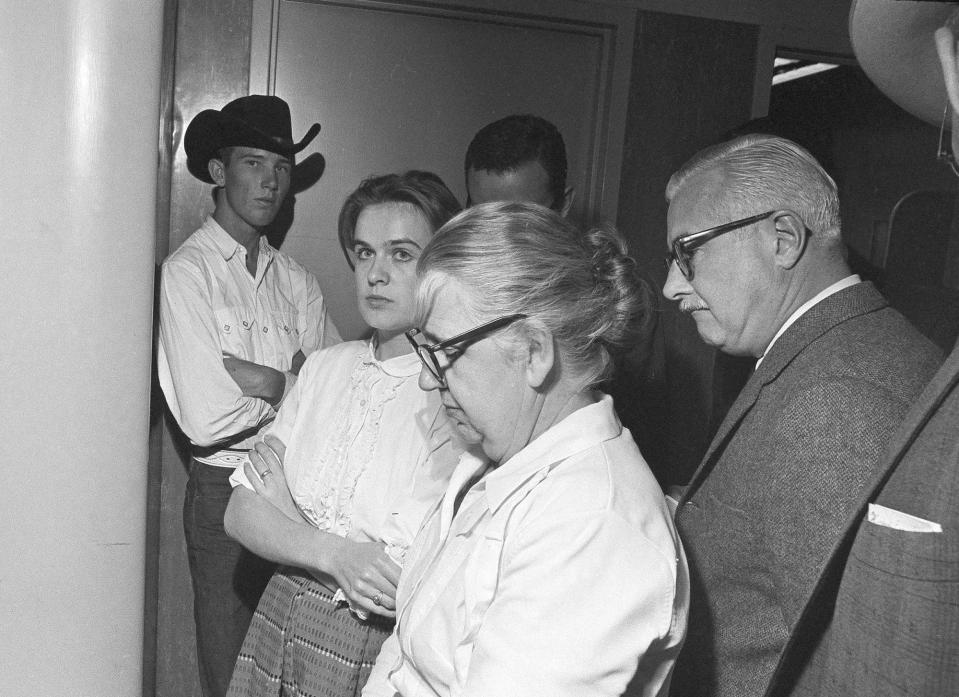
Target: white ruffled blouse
x: 368, y: 451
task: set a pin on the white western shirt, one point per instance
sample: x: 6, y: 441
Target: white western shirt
x: 211, y: 307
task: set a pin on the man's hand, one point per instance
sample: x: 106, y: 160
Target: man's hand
x: 256, y: 380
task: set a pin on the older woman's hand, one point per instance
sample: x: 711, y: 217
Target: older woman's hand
x: 367, y: 575
x: 265, y: 473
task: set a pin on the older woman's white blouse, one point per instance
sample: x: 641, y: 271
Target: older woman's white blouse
x: 561, y: 574
x: 368, y: 452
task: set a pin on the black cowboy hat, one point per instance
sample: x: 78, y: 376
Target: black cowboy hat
x: 256, y: 121
x: 893, y: 42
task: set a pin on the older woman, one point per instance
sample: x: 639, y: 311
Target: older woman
x: 344, y: 477
x: 551, y: 566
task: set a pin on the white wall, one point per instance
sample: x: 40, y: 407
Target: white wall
x: 78, y: 118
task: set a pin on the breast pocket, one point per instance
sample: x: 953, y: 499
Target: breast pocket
x: 898, y: 598
x: 914, y: 558
x: 235, y: 328
x: 285, y: 327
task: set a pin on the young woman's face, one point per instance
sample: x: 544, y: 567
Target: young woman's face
x: 388, y: 239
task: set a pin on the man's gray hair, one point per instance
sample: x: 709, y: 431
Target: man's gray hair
x: 764, y: 172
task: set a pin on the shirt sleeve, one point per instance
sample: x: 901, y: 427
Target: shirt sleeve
x: 207, y: 404
x: 582, y: 604
x: 319, y: 331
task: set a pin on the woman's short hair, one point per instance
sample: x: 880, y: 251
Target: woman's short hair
x: 764, y: 171
x: 522, y: 258
x: 424, y: 191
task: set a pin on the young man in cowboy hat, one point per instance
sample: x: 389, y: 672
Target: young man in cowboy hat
x: 237, y: 319
x: 885, y: 618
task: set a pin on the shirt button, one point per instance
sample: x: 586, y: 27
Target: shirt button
x: 265, y: 330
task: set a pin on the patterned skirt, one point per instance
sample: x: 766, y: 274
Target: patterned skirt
x: 302, y: 644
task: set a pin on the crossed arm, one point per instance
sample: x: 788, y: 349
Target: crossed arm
x: 261, y: 381
x: 267, y: 522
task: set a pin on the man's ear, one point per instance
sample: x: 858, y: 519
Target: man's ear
x: 539, y: 353
x: 569, y: 195
x: 792, y: 236
x: 217, y: 171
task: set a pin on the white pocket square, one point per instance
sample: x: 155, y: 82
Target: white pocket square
x: 897, y: 520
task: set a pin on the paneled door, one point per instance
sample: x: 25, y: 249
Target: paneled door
x: 400, y: 85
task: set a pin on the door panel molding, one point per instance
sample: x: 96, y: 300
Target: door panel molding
x: 613, y: 27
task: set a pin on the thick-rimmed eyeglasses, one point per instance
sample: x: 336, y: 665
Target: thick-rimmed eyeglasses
x: 427, y: 352
x: 682, y: 248
x: 944, y: 153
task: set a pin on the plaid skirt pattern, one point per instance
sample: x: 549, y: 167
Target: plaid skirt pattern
x: 302, y: 644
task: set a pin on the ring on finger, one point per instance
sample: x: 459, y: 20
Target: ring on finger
x: 266, y: 473
x: 377, y: 599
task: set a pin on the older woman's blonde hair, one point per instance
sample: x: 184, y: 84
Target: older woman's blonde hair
x: 522, y: 258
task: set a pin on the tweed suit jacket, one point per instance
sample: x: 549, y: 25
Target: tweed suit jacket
x: 769, y: 501
x: 893, y: 594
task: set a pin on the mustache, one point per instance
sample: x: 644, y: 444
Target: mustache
x: 692, y: 306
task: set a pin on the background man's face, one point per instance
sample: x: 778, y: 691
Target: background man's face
x: 528, y: 182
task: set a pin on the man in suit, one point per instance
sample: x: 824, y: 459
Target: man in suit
x: 885, y: 618
x: 757, y: 260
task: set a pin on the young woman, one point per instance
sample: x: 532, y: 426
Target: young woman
x: 356, y: 456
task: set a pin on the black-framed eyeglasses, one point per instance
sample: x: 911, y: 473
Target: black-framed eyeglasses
x: 944, y: 152
x: 682, y: 248
x: 427, y: 352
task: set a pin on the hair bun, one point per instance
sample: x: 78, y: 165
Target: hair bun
x: 627, y: 302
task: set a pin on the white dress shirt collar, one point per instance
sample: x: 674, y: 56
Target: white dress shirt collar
x: 403, y: 366
x: 227, y: 246
x: 808, y: 305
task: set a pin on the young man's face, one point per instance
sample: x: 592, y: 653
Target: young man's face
x: 255, y: 182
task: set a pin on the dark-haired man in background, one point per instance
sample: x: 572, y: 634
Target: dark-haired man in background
x: 520, y: 157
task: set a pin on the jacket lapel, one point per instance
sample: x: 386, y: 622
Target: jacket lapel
x: 821, y: 318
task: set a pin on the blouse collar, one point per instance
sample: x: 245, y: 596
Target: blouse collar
x: 403, y: 366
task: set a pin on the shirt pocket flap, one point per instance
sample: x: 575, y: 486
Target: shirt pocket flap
x: 232, y: 321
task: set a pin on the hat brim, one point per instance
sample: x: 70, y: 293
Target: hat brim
x: 211, y: 130
x: 894, y: 44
